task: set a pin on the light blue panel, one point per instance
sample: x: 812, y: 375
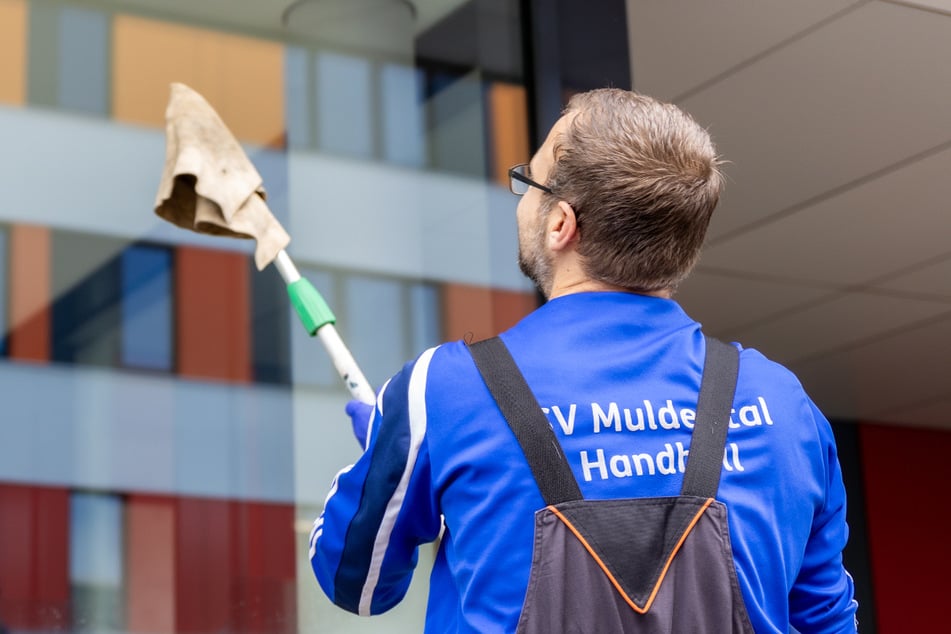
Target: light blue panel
x: 336, y: 207
x: 404, y: 137
x: 145, y: 434
x: 36, y: 434
x: 95, y: 540
x: 344, y: 100
x: 425, y: 322
x: 376, y: 326
x: 272, y: 166
x: 323, y: 442
x: 79, y: 151
x: 204, y: 447
x: 331, y: 207
x: 297, y: 98
x: 310, y: 363
x: 4, y: 289
x: 84, y: 60
x: 103, y: 429
x: 92, y: 413
x: 263, y: 429
x: 503, y: 235
x: 147, y: 307
x: 420, y: 236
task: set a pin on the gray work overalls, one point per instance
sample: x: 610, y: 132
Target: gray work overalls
x: 658, y: 565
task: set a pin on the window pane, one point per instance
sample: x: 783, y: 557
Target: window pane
x: 343, y: 105
x: 83, y: 60
x: 172, y: 446
x: 270, y: 326
x: 95, y: 561
x: 376, y: 326
x: 87, y: 298
x: 296, y: 62
x: 425, y: 317
x: 4, y: 289
x: 403, y: 135
x: 147, y: 307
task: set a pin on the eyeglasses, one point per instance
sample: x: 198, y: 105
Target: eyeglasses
x: 520, y: 181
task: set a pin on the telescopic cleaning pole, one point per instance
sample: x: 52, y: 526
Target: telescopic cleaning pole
x: 319, y: 320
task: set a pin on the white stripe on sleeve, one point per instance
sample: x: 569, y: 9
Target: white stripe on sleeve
x: 417, y: 425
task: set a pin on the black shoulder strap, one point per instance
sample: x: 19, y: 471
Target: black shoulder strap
x: 717, y: 389
x: 524, y: 415
x: 543, y: 451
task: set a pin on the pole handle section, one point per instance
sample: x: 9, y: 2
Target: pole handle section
x: 310, y: 306
x: 319, y: 320
x: 345, y: 364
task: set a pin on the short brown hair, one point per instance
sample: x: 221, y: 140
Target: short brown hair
x: 643, y: 178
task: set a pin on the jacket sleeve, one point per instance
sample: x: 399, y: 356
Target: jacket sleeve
x: 363, y: 547
x: 822, y: 599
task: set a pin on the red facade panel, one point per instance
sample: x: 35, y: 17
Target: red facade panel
x: 481, y: 311
x: 204, y: 571
x: 213, y: 317
x: 508, y: 307
x: 264, y: 547
x: 904, y: 468
x: 34, y: 557
x: 235, y: 567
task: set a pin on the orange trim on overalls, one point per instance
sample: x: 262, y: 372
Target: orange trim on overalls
x: 614, y: 582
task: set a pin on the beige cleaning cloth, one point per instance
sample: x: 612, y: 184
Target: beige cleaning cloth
x: 209, y: 185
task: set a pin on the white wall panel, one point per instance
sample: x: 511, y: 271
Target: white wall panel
x: 373, y: 217
x: 84, y: 427
x: 101, y: 177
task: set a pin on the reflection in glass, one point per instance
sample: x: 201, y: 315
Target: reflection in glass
x: 173, y: 490
x: 95, y: 562
x: 4, y: 285
x: 147, y: 307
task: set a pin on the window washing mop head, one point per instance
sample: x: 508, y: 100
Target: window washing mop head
x: 210, y: 186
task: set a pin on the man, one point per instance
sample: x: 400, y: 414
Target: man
x: 614, y: 209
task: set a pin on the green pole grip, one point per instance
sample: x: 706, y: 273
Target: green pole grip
x: 313, y: 311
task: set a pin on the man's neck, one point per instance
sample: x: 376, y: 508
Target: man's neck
x: 569, y: 277
x: 594, y: 286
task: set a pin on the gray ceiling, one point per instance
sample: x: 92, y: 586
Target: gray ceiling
x: 283, y: 19
x: 831, y: 250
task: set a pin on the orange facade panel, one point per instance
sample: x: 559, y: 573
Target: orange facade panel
x: 242, y: 77
x: 150, y: 564
x: 508, y: 307
x: 212, y: 314
x: 508, y: 113
x: 482, y: 312
x: 208, y: 565
x: 29, y: 292
x: 13, y: 29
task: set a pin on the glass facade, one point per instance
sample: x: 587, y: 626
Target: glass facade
x: 169, y: 431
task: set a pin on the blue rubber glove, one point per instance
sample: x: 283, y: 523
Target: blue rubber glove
x: 359, y: 413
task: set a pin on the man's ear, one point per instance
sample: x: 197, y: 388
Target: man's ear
x: 562, y: 226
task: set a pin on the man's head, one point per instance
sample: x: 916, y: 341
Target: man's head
x: 641, y: 179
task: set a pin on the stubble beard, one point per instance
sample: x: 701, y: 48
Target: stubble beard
x: 534, y: 263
